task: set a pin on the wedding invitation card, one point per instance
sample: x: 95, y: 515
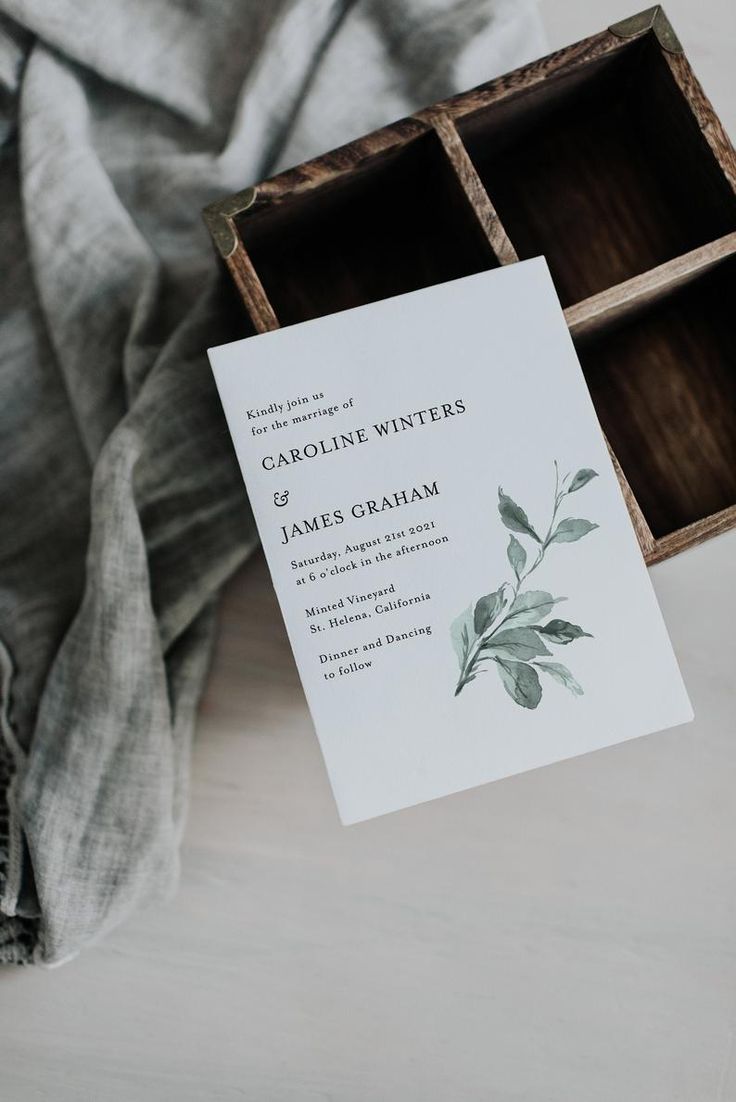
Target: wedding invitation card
x: 456, y: 567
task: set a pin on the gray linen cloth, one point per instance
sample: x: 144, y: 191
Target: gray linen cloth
x: 122, y: 509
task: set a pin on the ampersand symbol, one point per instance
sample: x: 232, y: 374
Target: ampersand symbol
x: 280, y: 498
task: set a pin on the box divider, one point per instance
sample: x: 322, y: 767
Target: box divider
x: 617, y: 302
x: 472, y: 186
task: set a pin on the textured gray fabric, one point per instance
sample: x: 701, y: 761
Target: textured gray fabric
x: 123, y: 512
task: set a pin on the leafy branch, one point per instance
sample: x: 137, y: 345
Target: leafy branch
x: 506, y: 627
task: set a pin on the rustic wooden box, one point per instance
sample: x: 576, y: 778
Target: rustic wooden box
x: 605, y: 157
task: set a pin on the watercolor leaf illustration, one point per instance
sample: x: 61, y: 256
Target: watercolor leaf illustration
x: 506, y: 628
x: 516, y: 556
x: 462, y: 631
x: 521, y: 682
x: 514, y: 516
x: 562, y: 674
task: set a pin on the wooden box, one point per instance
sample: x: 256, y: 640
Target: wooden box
x: 605, y: 157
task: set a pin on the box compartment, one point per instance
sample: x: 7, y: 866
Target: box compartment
x: 398, y: 223
x: 603, y: 169
x: 663, y: 382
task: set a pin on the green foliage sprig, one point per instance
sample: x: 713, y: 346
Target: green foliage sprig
x: 506, y: 627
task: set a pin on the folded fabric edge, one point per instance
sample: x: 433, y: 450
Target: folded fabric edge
x: 18, y: 933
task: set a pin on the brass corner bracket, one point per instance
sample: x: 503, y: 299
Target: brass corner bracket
x: 219, y: 217
x: 655, y: 20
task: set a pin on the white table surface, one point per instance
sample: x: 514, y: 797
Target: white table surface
x: 568, y: 935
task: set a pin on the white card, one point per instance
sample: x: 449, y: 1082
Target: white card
x: 460, y: 581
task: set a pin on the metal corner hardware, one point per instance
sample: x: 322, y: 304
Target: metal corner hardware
x: 219, y: 217
x: 654, y: 20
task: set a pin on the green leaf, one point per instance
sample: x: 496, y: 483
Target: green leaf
x: 486, y: 611
x: 570, y: 530
x: 531, y: 607
x: 463, y: 635
x: 582, y: 478
x: 516, y: 555
x: 514, y: 516
x: 561, y: 673
x: 517, y: 643
x: 521, y: 682
x: 562, y: 631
